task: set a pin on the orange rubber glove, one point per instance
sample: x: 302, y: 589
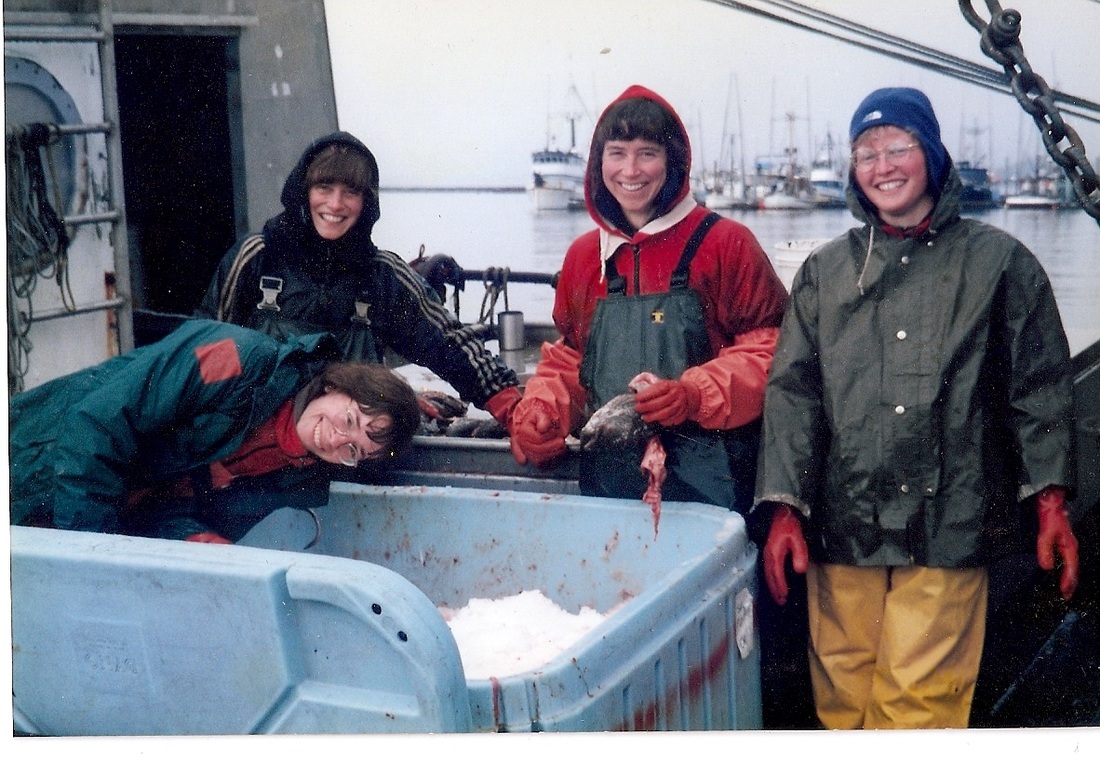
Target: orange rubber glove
x: 1055, y: 534
x: 668, y: 402
x: 785, y: 538
x: 501, y: 404
x: 208, y: 537
x: 536, y: 433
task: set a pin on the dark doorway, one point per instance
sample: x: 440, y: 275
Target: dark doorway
x: 176, y: 96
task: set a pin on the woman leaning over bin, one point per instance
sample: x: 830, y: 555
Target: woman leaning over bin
x: 201, y: 434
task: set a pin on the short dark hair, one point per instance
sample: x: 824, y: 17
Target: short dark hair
x: 638, y: 119
x: 379, y: 391
x: 341, y: 163
x: 642, y: 119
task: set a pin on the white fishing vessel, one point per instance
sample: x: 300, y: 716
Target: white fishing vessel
x: 557, y: 174
x: 828, y: 178
x: 1043, y: 188
x: 557, y: 180
x: 785, y: 182
x: 1032, y: 201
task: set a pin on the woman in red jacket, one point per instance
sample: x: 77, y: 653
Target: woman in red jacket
x: 665, y: 287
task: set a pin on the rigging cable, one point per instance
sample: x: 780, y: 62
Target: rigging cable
x: 1000, y: 41
x: 909, y: 52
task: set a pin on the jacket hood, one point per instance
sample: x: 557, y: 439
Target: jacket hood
x: 601, y: 206
x: 295, y: 220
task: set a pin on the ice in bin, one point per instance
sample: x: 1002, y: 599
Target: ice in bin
x: 677, y: 652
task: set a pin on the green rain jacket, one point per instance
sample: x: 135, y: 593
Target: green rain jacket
x: 920, y: 391
x: 81, y: 443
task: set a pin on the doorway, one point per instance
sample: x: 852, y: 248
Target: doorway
x: 180, y: 126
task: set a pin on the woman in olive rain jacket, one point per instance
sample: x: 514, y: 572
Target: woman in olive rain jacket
x: 918, y: 410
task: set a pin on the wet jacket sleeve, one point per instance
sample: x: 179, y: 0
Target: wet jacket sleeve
x: 794, y: 426
x: 1040, y: 392
x: 731, y: 386
x: 748, y: 300
x: 557, y: 383
x: 418, y: 327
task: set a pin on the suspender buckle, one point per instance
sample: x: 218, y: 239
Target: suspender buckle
x: 271, y: 288
x: 361, y: 309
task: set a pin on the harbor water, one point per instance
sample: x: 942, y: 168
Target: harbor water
x: 482, y: 229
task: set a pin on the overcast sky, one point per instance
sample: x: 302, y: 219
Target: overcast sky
x: 459, y: 92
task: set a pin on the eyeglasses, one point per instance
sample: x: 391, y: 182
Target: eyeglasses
x: 349, y: 453
x: 866, y: 160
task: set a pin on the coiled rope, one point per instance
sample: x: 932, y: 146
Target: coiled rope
x: 37, y: 239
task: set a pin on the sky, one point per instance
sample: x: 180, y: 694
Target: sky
x: 458, y: 93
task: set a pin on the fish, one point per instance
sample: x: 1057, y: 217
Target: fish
x: 437, y: 411
x: 476, y: 428
x: 617, y: 425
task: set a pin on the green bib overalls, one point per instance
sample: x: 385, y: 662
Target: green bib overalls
x: 663, y: 333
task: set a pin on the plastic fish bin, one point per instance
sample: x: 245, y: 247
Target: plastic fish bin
x: 119, y: 635
x: 679, y: 650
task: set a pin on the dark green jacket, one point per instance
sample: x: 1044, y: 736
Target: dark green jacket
x: 81, y: 443
x: 920, y: 392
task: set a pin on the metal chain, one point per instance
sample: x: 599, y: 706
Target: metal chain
x: 1001, y: 42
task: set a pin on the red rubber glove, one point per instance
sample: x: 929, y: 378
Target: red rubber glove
x: 1055, y: 534
x: 785, y: 538
x: 207, y: 537
x: 668, y: 402
x: 536, y: 433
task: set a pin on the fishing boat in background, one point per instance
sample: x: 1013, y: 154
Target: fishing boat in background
x: 724, y: 190
x: 779, y: 183
x: 1032, y: 201
x: 828, y: 176
x: 977, y: 189
x: 1041, y: 189
x: 557, y: 174
x: 557, y: 180
x: 725, y: 186
x: 783, y: 183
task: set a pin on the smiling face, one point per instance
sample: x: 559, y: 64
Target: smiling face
x: 334, y: 208
x: 334, y: 428
x: 634, y: 172
x: 899, y: 192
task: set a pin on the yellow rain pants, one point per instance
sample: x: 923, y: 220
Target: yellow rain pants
x: 895, y: 647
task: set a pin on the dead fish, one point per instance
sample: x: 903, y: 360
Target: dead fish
x: 476, y: 428
x: 617, y: 424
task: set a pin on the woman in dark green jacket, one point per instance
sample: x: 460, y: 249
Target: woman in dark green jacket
x: 168, y: 439
x: 919, y: 404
